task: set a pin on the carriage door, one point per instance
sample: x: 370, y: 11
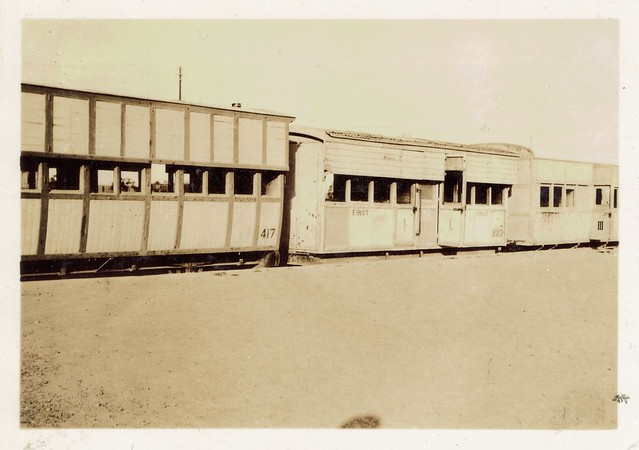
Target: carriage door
x: 602, y: 214
x: 426, y: 202
x: 614, y: 216
x: 451, y: 209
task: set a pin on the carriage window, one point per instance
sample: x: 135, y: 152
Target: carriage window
x: 130, y: 180
x: 496, y: 195
x: 381, y: 190
x: 570, y: 197
x: 481, y: 194
x: 337, y: 192
x: 427, y: 191
x: 162, y: 179
x: 243, y: 182
x: 453, y: 186
x: 64, y: 175
x: 270, y: 184
x: 193, y: 180
x: 102, y: 180
x: 598, y: 196
x: 359, y: 189
x: 602, y: 196
x: 403, y: 192
x: 557, y: 194
x: 29, y: 171
x: 544, y: 196
x: 217, y: 181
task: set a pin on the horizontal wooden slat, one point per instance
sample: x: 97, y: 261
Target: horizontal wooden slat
x: 276, y: 144
x: 108, y: 128
x: 384, y: 161
x: 249, y: 141
x: 33, y: 122
x: 70, y: 125
x: 223, y: 139
x: 169, y: 134
x: 200, y: 138
x: 491, y: 169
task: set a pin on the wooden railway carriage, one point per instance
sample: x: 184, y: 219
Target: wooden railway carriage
x: 561, y: 202
x: 110, y: 176
x: 353, y: 192
x: 474, y: 201
x: 605, y: 222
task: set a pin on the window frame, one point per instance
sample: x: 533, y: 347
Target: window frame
x: 31, y: 163
x: 252, y: 174
x: 548, y: 198
x: 79, y: 165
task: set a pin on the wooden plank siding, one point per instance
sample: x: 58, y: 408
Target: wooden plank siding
x: 77, y: 123
x: 108, y: 136
x: 33, y: 122
x: 383, y: 160
x: 70, y: 125
x: 250, y: 134
x: 563, y: 172
x: 204, y: 225
x: 115, y: 226
x: 494, y: 169
x: 200, y: 132
x: 30, y: 225
x: 116, y: 134
x: 64, y: 226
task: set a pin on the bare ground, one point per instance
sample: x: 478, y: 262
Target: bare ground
x: 525, y: 340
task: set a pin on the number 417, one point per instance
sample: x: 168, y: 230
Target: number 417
x: 267, y: 233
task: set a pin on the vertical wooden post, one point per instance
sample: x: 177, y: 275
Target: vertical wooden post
x: 205, y: 182
x: 230, y: 194
x: 236, y: 138
x: 48, y: 124
x: 122, y: 130
x: 187, y: 133
x: 257, y: 191
x: 264, y: 137
x: 179, y: 189
x: 393, y: 193
x: 147, y: 209
x: 85, y: 188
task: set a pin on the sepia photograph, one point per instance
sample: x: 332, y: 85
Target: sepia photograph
x: 320, y: 224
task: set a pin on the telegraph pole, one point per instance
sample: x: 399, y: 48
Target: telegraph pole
x: 180, y: 84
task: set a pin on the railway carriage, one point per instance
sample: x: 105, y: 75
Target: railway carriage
x: 356, y: 192
x: 107, y: 176
x: 605, y: 221
x: 112, y: 182
x: 562, y: 202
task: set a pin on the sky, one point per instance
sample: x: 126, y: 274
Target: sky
x: 551, y: 85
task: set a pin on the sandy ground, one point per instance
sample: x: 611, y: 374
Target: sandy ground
x: 525, y: 340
